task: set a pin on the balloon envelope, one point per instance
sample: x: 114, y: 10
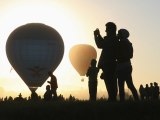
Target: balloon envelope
x: 81, y: 56
x: 33, y: 50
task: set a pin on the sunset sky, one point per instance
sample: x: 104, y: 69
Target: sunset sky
x: 76, y: 20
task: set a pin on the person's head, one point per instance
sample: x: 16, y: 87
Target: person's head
x: 151, y: 84
x: 93, y: 62
x: 141, y: 85
x: 146, y: 85
x: 50, y: 73
x: 111, y: 28
x: 123, y: 34
x: 155, y: 84
x: 20, y: 95
x: 48, y: 87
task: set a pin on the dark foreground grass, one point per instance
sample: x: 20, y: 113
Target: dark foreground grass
x: 79, y: 110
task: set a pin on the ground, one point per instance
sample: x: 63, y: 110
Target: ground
x: 79, y: 110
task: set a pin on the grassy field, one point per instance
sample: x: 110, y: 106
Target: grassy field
x: 79, y: 110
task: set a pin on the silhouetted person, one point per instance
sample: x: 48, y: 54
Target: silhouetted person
x: 151, y: 90
x: 156, y: 91
x: 10, y: 98
x: 107, y: 61
x: 5, y: 99
x: 34, y: 96
x: 142, y: 92
x: 29, y: 98
x: 71, y: 98
x: 147, y: 95
x: 92, y: 83
x: 61, y: 98
x: 124, y: 67
x: 48, y: 94
x: 53, y: 83
x: 19, y: 98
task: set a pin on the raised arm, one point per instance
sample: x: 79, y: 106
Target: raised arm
x: 98, y: 38
x: 49, y: 82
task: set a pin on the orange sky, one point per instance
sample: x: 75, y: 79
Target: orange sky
x: 76, y: 21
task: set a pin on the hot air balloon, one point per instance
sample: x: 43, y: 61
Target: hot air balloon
x: 33, y: 50
x: 80, y: 56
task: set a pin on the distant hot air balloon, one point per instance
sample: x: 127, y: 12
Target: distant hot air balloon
x: 33, y: 50
x: 80, y: 56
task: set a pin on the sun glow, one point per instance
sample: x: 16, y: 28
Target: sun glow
x: 50, y: 14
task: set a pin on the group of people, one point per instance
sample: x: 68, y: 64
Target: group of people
x: 51, y: 89
x: 149, y: 92
x: 115, y: 63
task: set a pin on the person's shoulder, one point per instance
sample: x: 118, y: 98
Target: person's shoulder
x: 129, y: 43
x: 125, y: 41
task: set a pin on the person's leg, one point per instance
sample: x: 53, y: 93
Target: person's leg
x: 121, y: 81
x: 110, y: 81
x: 130, y: 84
x: 142, y: 97
x: 90, y: 91
x: 107, y: 84
x: 55, y: 93
x: 95, y: 90
x: 121, y: 89
x: 114, y: 88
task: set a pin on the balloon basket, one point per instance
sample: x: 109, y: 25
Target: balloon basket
x: 33, y: 88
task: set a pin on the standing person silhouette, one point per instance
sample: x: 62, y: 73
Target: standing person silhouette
x: 124, y: 67
x: 151, y: 90
x: 156, y: 91
x: 53, y: 84
x: 92, y: 83
x: 142, y: 92
x: 107, y: 61
x: 34, y: 96
x: 147, y: 92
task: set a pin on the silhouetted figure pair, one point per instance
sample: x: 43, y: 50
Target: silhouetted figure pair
x: 53, y: 84
x: 92, y: 83
x: 107, y: 61
x: 124, y: 67
x: 115, y: 61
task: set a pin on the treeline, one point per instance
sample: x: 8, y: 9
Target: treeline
x: 22, y: 99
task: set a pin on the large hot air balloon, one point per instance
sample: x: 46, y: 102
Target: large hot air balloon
x: 33, y: 50
x: 80, y: 56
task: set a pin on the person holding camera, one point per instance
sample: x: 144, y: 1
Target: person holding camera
x: 107, y: 61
